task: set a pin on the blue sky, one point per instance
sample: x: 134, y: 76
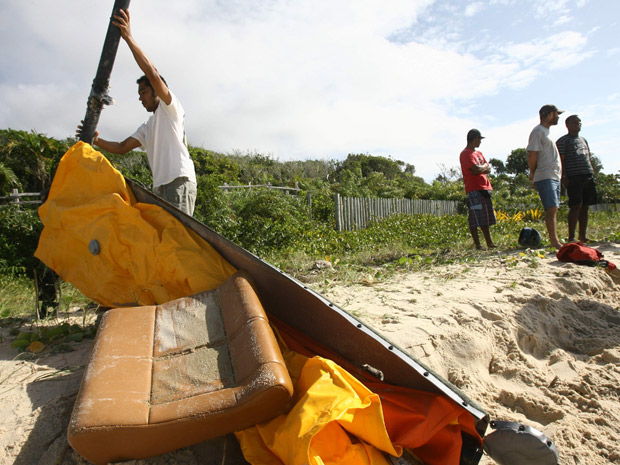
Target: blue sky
x: 320, y: 79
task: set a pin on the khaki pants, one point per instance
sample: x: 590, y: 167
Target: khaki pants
x: 181, y: 193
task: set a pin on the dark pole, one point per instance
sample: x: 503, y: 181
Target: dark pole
x: 99, y: 92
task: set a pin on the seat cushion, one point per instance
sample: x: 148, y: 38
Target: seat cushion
x: 168, y: 376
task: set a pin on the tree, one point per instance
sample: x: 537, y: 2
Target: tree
x: 409, y: 169
x: 608, y: 188
x: 597, y: 165
x: 32, y: 157
x: 517, y: 162
x: 448, y: 174
x: 8, y: 179
x: 371, y: 164
x: 498, y: 166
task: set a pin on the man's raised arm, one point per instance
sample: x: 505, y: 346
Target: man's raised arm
x: 146, y: 65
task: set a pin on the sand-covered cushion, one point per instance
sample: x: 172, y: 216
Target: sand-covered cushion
x: 168, y: 376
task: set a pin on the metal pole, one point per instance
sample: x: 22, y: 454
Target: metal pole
x: 99, y: 91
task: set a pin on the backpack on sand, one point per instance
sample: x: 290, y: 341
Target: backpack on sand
x: 529, y: 237
x: 576, y: 252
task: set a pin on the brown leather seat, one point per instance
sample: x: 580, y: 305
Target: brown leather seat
x: 168, y: 376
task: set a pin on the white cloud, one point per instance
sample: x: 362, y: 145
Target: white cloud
x: 473, y: 8
x: 549, y: 8
x: 291, y: 78
x: 554, y: 52
x: 561, y: 20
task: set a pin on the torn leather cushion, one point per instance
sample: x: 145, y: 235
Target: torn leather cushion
x: 168, y: 376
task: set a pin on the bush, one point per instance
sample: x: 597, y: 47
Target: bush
x: 134, y: 165
x: 213, y: 207
x: 31, y: 157
x: 20, y: 229
x: 271, y: 220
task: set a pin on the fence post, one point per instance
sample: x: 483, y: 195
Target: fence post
x: 15, y: 196
x: 337, y: 212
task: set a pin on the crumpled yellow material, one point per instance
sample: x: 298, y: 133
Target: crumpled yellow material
x: 335, y: 420
x: 146, y: 255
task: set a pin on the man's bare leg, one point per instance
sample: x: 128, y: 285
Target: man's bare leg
x: 487, y: 237
x: 574, y: 213
x: 552, y: 226
x: 474, y: 235
x: 583, y: 223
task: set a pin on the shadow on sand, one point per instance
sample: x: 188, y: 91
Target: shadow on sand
x: 51, y: 382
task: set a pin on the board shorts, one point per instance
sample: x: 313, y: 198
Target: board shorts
x: 581, y: 190
x: 480, y: 206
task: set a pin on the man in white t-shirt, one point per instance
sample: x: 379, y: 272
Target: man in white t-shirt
x: 546, y: 169
x: 163, y: 135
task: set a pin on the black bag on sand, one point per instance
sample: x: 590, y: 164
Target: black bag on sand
x: 529, y: 237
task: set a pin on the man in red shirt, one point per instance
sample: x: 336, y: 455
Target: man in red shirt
x: 478, y: 189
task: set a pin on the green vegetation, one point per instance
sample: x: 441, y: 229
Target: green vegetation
x: 283, y: 228
x: 43, y: 337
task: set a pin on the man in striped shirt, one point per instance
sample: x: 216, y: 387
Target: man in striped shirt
x: 577, y: 177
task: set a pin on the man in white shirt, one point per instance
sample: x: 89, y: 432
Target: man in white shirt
x: 546, y: 169
x: 163, y: 135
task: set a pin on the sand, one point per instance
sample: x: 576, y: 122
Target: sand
x: 530, y: 339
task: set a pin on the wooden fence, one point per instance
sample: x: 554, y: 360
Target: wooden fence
x: 605, y: 207
x: 250, y: 186
x: 355, y: 213
x: 351, y: 212
x: 20, y: 198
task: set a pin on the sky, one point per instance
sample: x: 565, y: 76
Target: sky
x: 320, y: 79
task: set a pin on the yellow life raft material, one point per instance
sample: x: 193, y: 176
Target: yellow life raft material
x: 335, y: 419
x: 115, y: 250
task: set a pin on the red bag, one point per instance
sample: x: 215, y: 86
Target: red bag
x: 576, y: 252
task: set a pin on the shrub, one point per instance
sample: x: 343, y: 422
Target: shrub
x: 271, y: 220
x: 19, y: 235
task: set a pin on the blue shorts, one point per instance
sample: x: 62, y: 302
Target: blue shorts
x: 549, y: 191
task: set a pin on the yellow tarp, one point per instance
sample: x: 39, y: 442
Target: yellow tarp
x: 146, y: 255
x: 335, y: 420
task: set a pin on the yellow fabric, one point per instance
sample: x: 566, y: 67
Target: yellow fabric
x: 146, y: 255
x: 328, y: 404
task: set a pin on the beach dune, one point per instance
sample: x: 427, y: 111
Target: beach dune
x: 530, y: 339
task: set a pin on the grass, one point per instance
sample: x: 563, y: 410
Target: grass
x: 395, y: 245
x: 71, y: 322
x: 18, y: 298
x: 371, y: 263
x: 392, y: 246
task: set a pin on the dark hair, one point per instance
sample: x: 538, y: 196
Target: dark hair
x: 570, y: 118
x: 146, y: 81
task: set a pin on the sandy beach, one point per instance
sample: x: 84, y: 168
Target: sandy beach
x: 528, y: 338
